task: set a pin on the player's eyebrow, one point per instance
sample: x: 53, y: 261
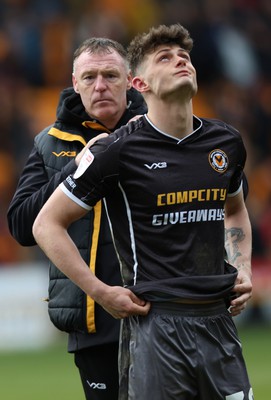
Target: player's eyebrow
x: 169, y: 48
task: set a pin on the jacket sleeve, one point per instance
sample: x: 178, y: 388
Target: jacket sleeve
x: 33, y: 189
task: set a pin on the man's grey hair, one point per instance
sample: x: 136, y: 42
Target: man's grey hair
x: 100, y: 45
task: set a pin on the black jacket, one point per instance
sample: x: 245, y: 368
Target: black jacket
x: 50, y: 161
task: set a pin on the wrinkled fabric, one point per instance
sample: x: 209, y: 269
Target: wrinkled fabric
x: 182, y: 352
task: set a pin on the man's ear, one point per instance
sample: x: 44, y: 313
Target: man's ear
x: 74, y: 83
x: 129, y: 80
x: 139, y: 84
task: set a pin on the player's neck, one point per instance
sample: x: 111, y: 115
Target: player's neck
x: 174, y: 119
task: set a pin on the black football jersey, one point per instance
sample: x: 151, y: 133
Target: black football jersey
x: 165, y: 201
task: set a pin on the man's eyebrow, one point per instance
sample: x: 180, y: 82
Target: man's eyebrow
x: 168, y: 48
x: 104, y: 69
x: 111, y: 69
x: 161, y: 50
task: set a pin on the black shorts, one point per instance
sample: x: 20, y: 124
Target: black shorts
x: 182, y: 352
x: 98, y: 367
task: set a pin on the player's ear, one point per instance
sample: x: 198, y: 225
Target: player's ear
x: 139, y: 84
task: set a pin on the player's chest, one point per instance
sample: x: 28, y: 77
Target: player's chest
x: 173, y: 168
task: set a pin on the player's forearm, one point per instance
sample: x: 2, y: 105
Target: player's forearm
x: 58, y: 246
x: 61, y: 250
x: 238, y: 240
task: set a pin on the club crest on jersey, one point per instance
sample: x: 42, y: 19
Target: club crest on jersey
x: 218, y: 160
x: 86, y: 160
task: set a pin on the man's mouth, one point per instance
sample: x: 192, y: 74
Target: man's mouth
x: 182, y: 73
x: 102, y: 100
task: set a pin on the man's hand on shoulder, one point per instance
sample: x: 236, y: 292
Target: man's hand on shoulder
x: 88, y: 145
x: 135, y: 118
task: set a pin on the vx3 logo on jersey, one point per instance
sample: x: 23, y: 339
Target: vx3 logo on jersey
x: 65, y: 153
x: 94, y: 385
x: 159, y: 165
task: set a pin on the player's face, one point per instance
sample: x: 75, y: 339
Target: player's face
x: 169, y: 71
x: 102, y: 80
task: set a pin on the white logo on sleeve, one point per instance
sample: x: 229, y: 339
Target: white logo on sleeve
x: 159, y: 165
x: 85, y: 162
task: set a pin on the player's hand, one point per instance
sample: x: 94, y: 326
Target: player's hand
x: 243, y: 290
x: 88, y: 145
x: 121, y: 302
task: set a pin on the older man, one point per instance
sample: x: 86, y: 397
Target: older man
x: 101, y: 100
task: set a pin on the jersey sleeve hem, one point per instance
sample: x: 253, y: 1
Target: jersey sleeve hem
x: 237, y: 191
x: 74, y: 198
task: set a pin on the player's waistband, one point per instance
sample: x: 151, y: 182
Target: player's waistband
x: 188, y: 309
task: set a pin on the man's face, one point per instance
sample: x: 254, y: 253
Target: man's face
x: 102, y: 80
x: 168, y: 72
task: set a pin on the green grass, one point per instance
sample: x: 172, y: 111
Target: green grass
x: 257, y: 352
x: 50, y: 374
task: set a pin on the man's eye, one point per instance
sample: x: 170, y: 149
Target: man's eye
x: 164, y: 58
x: 111, y: 76
x: 185, y: 56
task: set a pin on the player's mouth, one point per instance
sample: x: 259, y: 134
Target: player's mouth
x: 182, y: 73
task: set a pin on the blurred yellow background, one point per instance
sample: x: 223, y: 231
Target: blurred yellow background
x: 232, y: 55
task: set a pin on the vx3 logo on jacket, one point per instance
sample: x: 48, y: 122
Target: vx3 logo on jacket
x: 65, y: 153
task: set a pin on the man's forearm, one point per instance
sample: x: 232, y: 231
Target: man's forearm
x: 238, y: 240
x: 61, y: 250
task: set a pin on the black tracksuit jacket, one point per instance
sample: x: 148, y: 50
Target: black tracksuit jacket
x: 50, y: 162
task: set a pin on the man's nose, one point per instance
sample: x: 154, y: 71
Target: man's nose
x: 180, y: 60
x: 100, y: 84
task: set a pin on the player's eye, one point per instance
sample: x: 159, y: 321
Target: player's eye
x: 185, y: 56
x: 164, y: 58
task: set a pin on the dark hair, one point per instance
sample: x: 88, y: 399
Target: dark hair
x: 97, y: 45
x: 146, y: 43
